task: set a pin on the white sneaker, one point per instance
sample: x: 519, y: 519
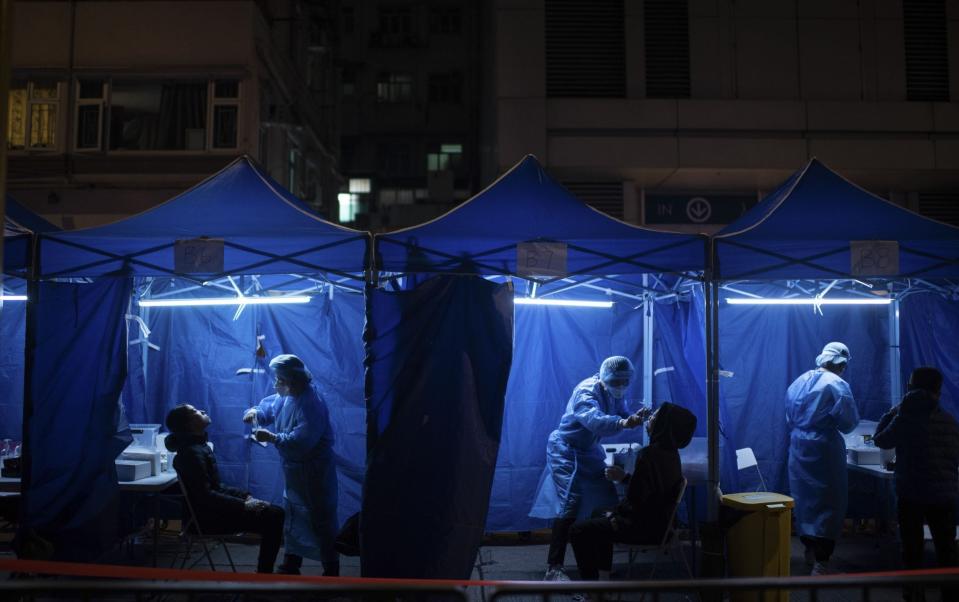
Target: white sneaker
x: 820, y: 568
x: 556, y: 573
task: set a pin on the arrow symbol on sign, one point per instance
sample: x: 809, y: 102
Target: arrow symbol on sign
x: 698, y: 209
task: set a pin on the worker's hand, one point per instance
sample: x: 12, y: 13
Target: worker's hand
x: 265, y: 435
x: 615, y: 473
x: 249, y: 415
x: 644, y: 413
x: 632, y: 421
x: 251, y: 503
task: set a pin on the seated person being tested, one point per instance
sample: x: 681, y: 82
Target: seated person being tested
x: 219, y: 508
x: 642, y: 517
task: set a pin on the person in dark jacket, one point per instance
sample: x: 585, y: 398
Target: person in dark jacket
x: 926, y: 439
x: 642, y: 517
x: 219, y: 508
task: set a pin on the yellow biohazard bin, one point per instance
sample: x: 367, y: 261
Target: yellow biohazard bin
x: 757, y: 542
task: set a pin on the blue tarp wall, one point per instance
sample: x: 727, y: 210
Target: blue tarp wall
x: 12, y: 329
x: 437, y: 367
x: 201, y: 349
x: 19, y: 223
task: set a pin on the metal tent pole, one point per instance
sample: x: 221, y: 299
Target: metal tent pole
x: 895, y: 358
x: 648, y: 336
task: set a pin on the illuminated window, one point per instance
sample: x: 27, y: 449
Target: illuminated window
x: 359, y: 185
x: 394, y: 87
x: 32, y: 116
x: 349, y: 206
x: 450, y: 156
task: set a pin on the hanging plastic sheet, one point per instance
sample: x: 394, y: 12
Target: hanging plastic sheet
x: 929, y: 336
x: 438, y: 363
x: 12, y: 329
x: 76, y: 429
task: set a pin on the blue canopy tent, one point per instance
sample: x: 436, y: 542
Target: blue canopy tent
x: 862, y: 268
x: 19, y: 225
x: 237, y: 237
x: 462, y: 390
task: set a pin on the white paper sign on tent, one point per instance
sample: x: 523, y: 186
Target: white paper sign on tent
x: 541, y: 259
x: 874, y: 257
x: 198, y: 256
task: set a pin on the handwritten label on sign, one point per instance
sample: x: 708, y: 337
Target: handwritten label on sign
x: 874, y: 257
x: 198, y: 256
x: 541, y: 259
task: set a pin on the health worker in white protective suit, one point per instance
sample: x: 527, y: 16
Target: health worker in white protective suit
x: 819, y: 408
x: 574, y: 482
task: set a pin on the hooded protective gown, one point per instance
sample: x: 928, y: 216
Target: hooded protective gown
x: 574, y: 482
x: 819, y: 406
x: 304, y: 440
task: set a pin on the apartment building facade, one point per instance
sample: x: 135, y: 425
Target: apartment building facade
x: 681, y: 113
x: 410, y: 96
x: 117, y: 106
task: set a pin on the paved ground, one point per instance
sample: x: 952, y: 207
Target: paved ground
x: 508, y: 557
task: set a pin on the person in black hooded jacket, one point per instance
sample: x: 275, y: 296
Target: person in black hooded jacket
x: 219, y: 508
x: 643, y: 515
x: 926, y: 439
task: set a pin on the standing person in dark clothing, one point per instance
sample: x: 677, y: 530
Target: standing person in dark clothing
x: 926, y: 439
x: 643, y: 516
x: 219, y: 508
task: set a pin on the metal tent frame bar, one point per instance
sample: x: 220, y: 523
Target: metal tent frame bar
x: 809, y: 261
x: 245, y: 269
x: 454, y: 261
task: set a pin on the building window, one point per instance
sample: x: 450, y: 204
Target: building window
x: 151, y: 115
x: 159, y: 115
x: 445, y: 20
x: 91, y: 98
x: 396, y: 196
x: 226, y: 113
x: 32, y: 115
x: 394, y: 87
x: 348, y: 82
x: 395, y: 20
x: 450, y: 156
x: 294, y: 171
x: 349, y: 206
x: 446, y: 87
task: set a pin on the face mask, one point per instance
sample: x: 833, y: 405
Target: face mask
x: 617, y: 392
x: 282, y: 389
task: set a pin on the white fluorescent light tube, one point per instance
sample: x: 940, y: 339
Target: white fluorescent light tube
x: 562, y: 302
x: 223, y: 301
x: 808, y: 301
x: 13, y: 297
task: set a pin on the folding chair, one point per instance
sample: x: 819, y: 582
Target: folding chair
x: 191, y: 532
x: 668, y: 546
x: 745, y: 458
